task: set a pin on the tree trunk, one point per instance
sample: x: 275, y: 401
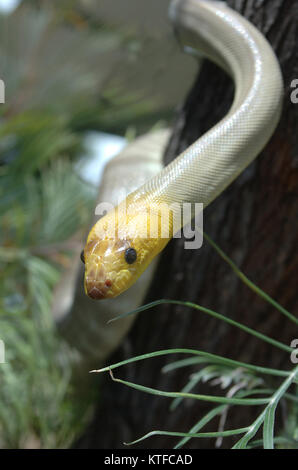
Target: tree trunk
x: 255, y: 222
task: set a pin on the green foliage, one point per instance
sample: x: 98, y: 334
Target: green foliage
x: 242, y: 383
x: 61, y: 78
x: 57, y: 65
x: 36, y: 402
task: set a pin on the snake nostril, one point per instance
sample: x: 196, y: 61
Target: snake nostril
x: 82, y: 256
x: 108, y: 283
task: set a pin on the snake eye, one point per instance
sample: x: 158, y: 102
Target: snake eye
x: 82, y: 256
x: 130, y: 255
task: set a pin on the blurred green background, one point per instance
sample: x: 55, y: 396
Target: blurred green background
x: 69, y: 67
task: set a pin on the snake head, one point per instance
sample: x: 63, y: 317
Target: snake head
x: 117, y: 252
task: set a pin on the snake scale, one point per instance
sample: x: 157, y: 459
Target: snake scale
x: 117, y: 252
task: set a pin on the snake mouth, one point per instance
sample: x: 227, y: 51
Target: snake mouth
x: 97, y: 285
x: 95, y: 292
x: 96, y: 289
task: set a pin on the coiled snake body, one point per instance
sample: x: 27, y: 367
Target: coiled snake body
x: 114, y: 259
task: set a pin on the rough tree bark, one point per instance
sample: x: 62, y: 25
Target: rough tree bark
x: 255, y: 223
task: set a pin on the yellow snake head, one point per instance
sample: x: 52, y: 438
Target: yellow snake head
x: 119, y: 248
